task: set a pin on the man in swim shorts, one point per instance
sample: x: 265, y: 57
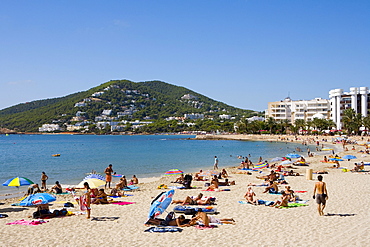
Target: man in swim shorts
x: 108, y: 175
x: 321, y: 196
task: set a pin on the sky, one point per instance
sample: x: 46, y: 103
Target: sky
x: 243, y: 53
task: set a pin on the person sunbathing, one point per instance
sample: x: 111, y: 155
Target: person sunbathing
x: 226, y: 183
x: 101, y: 198
x: 283, y: 202
x: 180, y: 179
x: 134, y: 180
x: 224, y: 173
x: 290, y: 193
x: 214, y: 183
x: 57, y: 188
x: 180, y: 222
x: 249, y: 196
x: 194, y: 201
x: 206, y: 220
x: 272, y: 188
x: 198, y: 177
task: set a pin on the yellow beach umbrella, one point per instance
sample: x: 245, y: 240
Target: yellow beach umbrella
x: 93, y: 183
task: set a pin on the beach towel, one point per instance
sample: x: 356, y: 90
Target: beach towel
x: 294, y: 205
x: 123, y: 203
x: 28, y: 223
x: 184, y: 209
x: 163, y: 229
x: 300, y: 191
x: 218, y: 190
x: 83, y: 204
x: 3, y: 215
x: 121, y: 196
x: 104, y: 218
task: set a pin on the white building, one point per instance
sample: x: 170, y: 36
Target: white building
x: 49, y: 128
x: 291, y: 110
x: 224, y: 116
x: 357, y: 99
x: 194, y: 116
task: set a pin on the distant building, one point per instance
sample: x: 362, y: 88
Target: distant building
x: 97, y: 94
x: 291, y: 110
x: 358, y: 98
x: 194, y: 116
x: 255, y: 118
x: 80, y: 104
x: 49, y: 128
x: 189, y: 97
x: 107, y: 112
x: 224, y: 116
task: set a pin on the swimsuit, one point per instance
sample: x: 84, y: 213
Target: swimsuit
x: 321, y: 199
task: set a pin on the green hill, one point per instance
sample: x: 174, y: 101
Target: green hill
x: 122, y: 99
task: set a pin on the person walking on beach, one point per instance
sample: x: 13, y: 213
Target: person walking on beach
x: 215, y: 166
x: 44, y: 177
x: 108, y: 175
x: 321, y: 196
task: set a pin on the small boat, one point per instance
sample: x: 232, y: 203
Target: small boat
x: 55, y: 155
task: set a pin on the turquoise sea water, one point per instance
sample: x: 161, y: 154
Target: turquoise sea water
x: 143, y: 155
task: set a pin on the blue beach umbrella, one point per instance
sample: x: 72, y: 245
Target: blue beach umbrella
x: 97, y: 176
x: 160, y: 204
x: 17, y: 181
x: 37, y: 199
x: 293, y: 156
x: 349, y: 157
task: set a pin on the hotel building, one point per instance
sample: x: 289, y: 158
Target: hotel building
x: 358, y: 98
x: 298, y: 109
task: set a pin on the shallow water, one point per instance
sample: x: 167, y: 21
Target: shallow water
x: 143, y: 155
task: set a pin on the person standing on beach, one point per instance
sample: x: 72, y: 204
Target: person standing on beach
x: 215, y: 166
x: 44, y: 177
x: 321, y: 196
x: 108, y: 175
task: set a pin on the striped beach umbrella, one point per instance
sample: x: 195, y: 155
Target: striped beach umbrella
x: 17, y: 181
x: 173, y: 172
x: 260, y: 166
x: 97, y: 176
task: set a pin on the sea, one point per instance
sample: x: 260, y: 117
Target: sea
x: 143, y: 155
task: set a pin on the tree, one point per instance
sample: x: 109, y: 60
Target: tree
x: 352, y: 121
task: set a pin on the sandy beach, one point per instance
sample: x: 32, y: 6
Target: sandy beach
x: 346, y: 221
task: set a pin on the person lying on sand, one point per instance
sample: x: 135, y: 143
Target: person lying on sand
x: 214, y: 183
x: 291, y: 196
x: 266, y: 183
x: 180, y: 179
x: 206, y: 220
x: 226, y: 183
x: 194, y: 201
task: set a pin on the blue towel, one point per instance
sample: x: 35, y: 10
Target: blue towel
x: 163, y: 229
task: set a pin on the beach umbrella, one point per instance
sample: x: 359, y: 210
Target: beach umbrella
x: 160, y: 204
x: 97, y: 176
x: 260, y: 166
x: 286, y: 162
x: 349, y: 157
x: 336, y: 159
x: 17, y: 181
x: 173, y: 172
x: 37, y: 199
x: 277, y: 159
x: 93, y: 183
x: 293, y: 155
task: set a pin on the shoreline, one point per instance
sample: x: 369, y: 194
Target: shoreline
x: 300, y: 226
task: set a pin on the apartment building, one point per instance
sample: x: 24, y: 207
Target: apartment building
x: 291, y: 110
x: 358, y: 98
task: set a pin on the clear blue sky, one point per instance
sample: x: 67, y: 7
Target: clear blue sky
x: 243, y: 53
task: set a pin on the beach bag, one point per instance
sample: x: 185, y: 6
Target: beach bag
x: 68, y: 205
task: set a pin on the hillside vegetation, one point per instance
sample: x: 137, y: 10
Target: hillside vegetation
x: 123, y: 99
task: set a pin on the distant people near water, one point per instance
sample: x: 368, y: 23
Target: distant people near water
x: 44, y: 177
x: 134, y: 180
x: 321, y: 196
x: 57, y: 188
x: 215, y: 166
x: 223, y: 174
x: 108, y: 175
x: 124, y: 181
x: 33, y: 189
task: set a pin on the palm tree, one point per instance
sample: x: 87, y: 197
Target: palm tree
x: 352, y: 121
